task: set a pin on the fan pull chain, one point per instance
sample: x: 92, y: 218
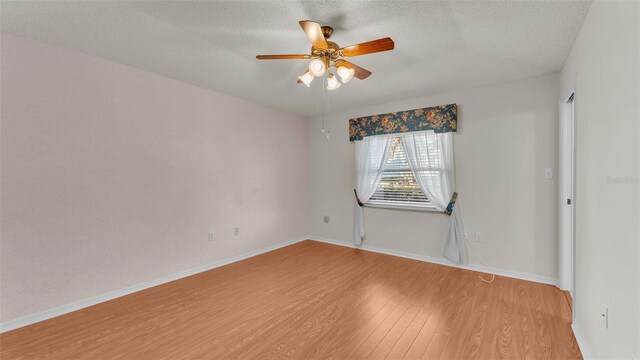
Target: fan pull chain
x: 325, y: 99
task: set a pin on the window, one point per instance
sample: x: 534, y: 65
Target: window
x: 398, y: 188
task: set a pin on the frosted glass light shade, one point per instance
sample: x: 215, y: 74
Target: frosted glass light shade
x: 332, y: 82
x: 306, y: 78
x: 346, y: 74
x: 317, y: 67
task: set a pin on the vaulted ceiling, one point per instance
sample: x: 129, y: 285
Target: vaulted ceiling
x: 440, y: 45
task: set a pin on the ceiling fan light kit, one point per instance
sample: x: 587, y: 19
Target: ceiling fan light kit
x: 326, y: 54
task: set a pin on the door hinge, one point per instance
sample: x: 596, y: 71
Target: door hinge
x: 568, y: 201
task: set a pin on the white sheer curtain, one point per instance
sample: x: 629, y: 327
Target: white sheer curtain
x: 430, y: 157
x: 371, y: 155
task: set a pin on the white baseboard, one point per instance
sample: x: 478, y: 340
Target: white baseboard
x: 582, y: 344
x: 443, y: 261
x: 77, y: 305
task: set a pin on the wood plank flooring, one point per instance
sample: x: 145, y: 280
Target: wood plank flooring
x: 314, y: 301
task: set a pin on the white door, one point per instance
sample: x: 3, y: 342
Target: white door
x: 566, y: 276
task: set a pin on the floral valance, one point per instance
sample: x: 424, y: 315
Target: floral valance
x: 442, y: 118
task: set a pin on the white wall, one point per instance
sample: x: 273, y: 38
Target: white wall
x: 606, y: 62
x: 507, y: 137
x: 112, y: 176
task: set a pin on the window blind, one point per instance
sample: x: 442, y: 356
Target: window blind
x: 398, y: 186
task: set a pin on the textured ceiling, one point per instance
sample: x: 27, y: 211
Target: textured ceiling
x: 440, y: 46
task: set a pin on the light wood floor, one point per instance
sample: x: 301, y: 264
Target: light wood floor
x: 314, y: 300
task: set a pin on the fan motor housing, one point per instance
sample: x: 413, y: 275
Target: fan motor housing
x: 331, y: 51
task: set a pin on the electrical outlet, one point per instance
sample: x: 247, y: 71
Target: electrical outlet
x: 326, y: 219
x: 236, y: 231
x: 605, y: 315
x: 478, y: 236
x: 211, y: 236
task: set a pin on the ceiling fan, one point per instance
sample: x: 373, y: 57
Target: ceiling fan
x: 325, y: 54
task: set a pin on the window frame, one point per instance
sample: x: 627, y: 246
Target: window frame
x: 401, y: 205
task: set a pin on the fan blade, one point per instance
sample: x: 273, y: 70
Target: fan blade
x: 280, y: 57
x: 360, y: 73
x: 314, y: 33
x: 368, y: 47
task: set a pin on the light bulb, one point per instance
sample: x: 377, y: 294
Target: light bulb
x: 317, y: 67
x: 306, y: 78
x: 346, y: 74
x: 332, y: 82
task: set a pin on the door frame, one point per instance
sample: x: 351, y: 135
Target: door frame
x: 567, y: 192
